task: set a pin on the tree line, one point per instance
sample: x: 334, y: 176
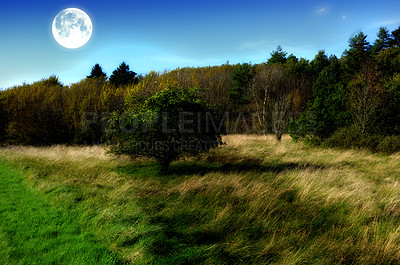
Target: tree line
x: 351, y: 101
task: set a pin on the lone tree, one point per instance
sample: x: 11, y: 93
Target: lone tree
x: 123, y: 76
x: 169, y: 124
x: 97, y: 72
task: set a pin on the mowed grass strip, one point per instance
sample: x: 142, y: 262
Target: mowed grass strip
x: 34, y: 232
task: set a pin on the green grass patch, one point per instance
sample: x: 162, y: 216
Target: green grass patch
x: 34, y: 232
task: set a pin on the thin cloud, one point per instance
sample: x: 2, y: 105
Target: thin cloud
x: 321, y: 10
x: 389, y: 22
x: 344, y: 17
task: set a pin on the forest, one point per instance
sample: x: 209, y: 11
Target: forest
x: 349, y: 102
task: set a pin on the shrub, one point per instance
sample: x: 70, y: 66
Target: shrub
x: 348, y: 137
x: 389, y: 144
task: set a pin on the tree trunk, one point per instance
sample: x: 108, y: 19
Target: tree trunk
x: 164, y: 163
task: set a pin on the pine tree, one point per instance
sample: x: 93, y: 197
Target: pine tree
x: 359, y: 52
x: 278, y: 56
x: 123, y: 76
x: 97, y: 72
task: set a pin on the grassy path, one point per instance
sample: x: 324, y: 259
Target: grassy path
x: 34, y: 232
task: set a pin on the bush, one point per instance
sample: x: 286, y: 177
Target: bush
x: 389, y: 144
x: 345, y: 138
x: 350, y: 137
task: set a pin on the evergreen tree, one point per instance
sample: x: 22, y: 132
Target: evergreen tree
x: 320, y: 62
x: 359, y: 52
x: 278, y: 56
x: 123, y: 76
x: 241, y: 78
x: 97, y: 72
x: 383, y: 41
x: 327, y: 109
x: 396, y: 37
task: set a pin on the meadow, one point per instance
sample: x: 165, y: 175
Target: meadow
x: 252, y: 201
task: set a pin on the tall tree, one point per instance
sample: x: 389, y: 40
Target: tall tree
x: 359, y: 52
x: 278, y: 56
x: 396, y: 37
x: 123, y: 76
x: 366, y: 97
x: 383, y: 41
x: 319, y: 63
x: 273, y: 90
x: 97, y: 72
x: 327, y: 110
x: 241, y: 78
x: 388, y: 61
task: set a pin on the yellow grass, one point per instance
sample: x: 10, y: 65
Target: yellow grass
x: 257, y: 182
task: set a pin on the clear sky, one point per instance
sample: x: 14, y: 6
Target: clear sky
x: 159, y: 35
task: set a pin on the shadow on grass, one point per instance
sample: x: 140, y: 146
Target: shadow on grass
x: 200, y: 167
x: 204, y: 168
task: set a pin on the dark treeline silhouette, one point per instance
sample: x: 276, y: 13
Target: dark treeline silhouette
x: 352, y: 101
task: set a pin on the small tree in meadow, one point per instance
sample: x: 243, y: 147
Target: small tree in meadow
x: 169, y: 124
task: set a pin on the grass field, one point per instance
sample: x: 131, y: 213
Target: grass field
x: 252, y: 201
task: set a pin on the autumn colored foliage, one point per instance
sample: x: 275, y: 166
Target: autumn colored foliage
x: 311, y: 100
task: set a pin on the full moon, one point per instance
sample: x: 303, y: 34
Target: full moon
x: 72, y: 28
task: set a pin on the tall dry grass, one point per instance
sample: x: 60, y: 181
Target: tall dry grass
x: 254, y: 200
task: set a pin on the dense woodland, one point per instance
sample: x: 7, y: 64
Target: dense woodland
x: 352, y: 101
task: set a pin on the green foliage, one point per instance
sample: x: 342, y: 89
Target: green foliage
x: 169, y: 124
x: 383, y: 41
x: 241, y: 79
x: 319, y: 63
x: 390, y: 120
x: 359, y: 52
x: 327, y: 110
x: 122, y: 76
x: 388, y: 61
x: 389, y: 144
x: 278, y: 56
x: 303, y: 128
x: 97, y: 72
x: 347, y: 137
x: 351, y: 137
x: 396, y: 37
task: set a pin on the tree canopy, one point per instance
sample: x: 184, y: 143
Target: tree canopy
x: 169, y: 124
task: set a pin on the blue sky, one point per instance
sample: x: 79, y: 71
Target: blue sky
x: 159, y: 35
